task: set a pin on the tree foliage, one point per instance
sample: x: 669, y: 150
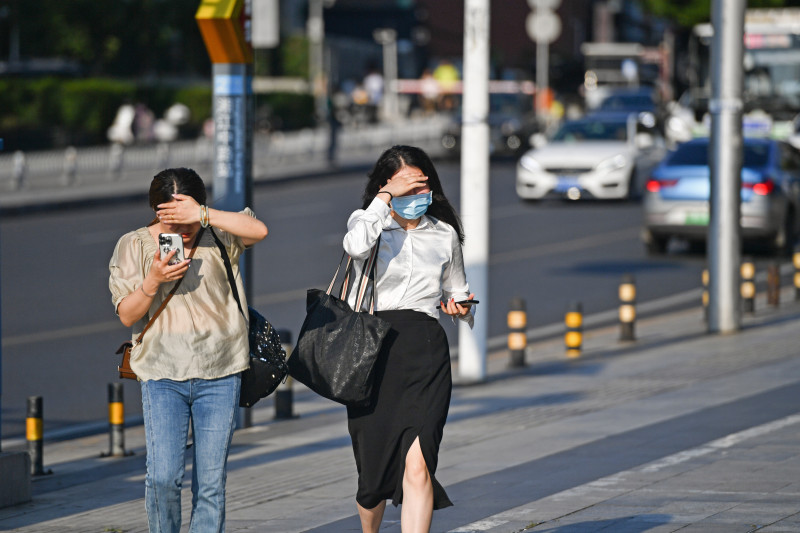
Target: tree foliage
x: 109, y: 37
x: 687, y: 13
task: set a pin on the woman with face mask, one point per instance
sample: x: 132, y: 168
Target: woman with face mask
x: 419, y: 268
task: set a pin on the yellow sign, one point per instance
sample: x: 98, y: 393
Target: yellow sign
x: 224, y: 25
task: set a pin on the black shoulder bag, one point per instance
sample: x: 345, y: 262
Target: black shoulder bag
x: 267, y: 356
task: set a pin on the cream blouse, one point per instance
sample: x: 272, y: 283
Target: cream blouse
x: 200, y: 333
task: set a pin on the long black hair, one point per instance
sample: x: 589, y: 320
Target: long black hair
x: 176, y: 181
x: 400, y: 156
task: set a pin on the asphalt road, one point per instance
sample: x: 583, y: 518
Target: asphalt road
x: 59, y: 330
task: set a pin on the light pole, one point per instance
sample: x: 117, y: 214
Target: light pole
x: 387, y: 38
x: 725, y: 106
x: 475, y: 186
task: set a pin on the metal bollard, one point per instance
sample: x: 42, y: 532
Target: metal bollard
x: 705, y: 294
x: 627, y: 308
x: 796, y: 263
x: 284, y: 396
x: 774, y: 285
x: 116, y: 422
x: 34, y: 434
x: 573, y: 338
x: 748, y: 286
x: 517, y: 320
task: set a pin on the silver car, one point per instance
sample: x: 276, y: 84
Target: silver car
x: 677, y: 193
x: 601, y: 156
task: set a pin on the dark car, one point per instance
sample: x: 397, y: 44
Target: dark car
x: 512, y: 121
x: 676, y: 200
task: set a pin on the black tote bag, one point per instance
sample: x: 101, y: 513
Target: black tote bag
x: 338, y: 346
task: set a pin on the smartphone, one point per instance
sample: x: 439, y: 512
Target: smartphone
x: 465, y: 303
x: 168, y: 242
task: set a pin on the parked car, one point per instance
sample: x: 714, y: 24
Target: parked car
x: 602, y: 156
x: 676, y: 201
x: 511, y: 119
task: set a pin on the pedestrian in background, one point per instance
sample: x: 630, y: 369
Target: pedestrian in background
x: 419, y: 265
x: 190, y: 361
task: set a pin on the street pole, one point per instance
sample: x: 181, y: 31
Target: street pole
x: 315, y: 28
x: 387, y: 38
x: 475, y: 186
x: 225, y: 27
x: 724, y: 242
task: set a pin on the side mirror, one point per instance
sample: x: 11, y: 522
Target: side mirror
x: 538, y: 140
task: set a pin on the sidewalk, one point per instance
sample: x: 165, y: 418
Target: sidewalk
x: 679, y: 430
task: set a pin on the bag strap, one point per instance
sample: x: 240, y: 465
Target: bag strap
x: 170, y: 295
x: 228, y: 269
x: 367, y: 276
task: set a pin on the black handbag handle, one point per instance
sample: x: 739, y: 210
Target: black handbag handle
x: 367, y: 276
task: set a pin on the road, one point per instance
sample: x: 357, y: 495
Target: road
x: 59, y: 330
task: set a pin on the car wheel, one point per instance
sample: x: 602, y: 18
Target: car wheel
x: 783, y: 243
x: 634, y: 194
x: 656, y: 245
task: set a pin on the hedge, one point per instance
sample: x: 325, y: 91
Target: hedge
x: 55, y: 112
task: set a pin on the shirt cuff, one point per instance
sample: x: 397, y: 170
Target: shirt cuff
x: 379, y: 206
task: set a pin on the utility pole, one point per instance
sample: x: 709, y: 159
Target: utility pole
x: 724, y: 242
x: 315, y: 27
x: 475, y: 186
x: 387, y: 38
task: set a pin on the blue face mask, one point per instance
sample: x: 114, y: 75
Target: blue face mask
x: 412, y: 207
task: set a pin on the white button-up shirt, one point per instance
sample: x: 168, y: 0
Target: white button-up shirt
x: 415, y: 269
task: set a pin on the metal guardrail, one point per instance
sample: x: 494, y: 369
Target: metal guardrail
x: 74, y: 167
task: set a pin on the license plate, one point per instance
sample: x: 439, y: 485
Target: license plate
x: 696, y: 219
x: 565, y: 183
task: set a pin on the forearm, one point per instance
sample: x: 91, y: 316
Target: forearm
x: 134, y: 306
x: 364, y: 228
x: 249, y: 229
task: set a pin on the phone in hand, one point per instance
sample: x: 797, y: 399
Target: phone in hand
x: 168, y: 242
x: 463, y: 303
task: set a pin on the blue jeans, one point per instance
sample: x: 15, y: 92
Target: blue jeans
x: 168, y: 406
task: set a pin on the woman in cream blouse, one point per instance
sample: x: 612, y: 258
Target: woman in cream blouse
x: 189, y: 361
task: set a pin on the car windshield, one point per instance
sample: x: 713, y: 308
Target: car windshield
x: 592, y: 131
x: 755, y: 155
x: 630, y: 102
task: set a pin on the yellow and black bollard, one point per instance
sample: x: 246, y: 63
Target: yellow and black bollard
x: 627, y: 308
x: 705, y: 294
x: 116, y: 422
x: 573, y: 339
x: 748, y: 286
x: 796, y: 263
x: 34, y: 426
x: 517, y: 321
x: 774, y: 285
x: 284, y: 396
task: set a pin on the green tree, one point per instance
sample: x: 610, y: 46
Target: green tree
x: 687, y: 13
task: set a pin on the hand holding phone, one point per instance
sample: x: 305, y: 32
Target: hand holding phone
x: 463, y: 303
x: 168, y: 242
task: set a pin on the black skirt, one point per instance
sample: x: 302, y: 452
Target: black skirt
x: 410, y: 399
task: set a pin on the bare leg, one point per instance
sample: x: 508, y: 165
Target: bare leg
x: 371, y: 518
x: 417, y: 510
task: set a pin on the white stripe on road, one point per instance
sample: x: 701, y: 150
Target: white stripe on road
x: 720, y: 444
x: 524, y: 513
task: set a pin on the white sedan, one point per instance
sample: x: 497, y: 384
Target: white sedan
x: 599, y: 156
